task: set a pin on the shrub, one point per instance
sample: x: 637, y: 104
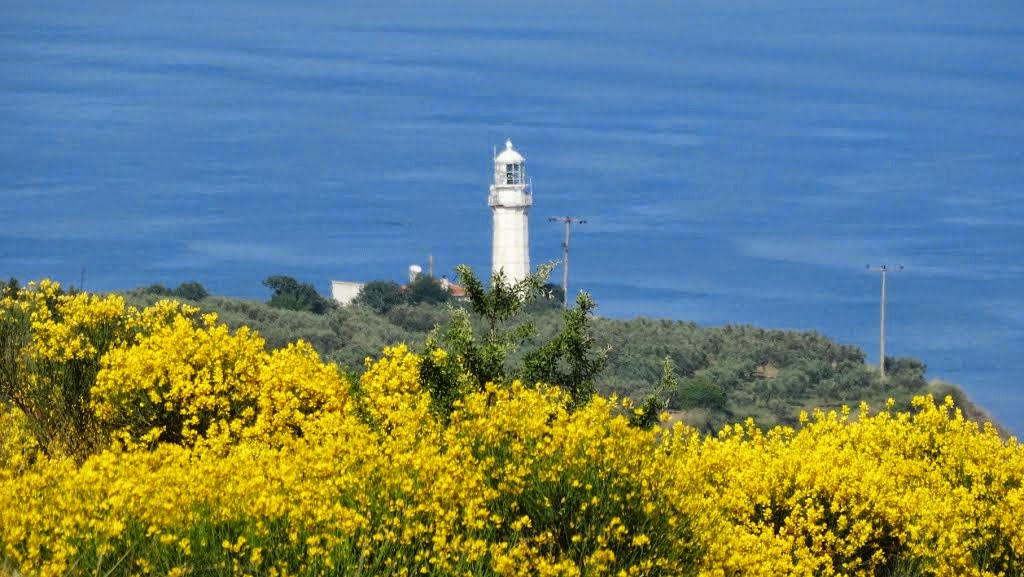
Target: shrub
x: 426, y: 290
x: 699, y: 392
x: 292, y: 295
x: 192, y: 291
x: 381, y: 296
x: 51, y: 344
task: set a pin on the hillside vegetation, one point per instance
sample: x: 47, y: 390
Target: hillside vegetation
x: 719, y: 374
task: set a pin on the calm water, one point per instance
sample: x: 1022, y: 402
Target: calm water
x: 738, y: 162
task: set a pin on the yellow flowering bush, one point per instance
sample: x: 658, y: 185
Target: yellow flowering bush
x: 295, y: 388
x: 583, y: 487
x: 180, y: 381
x: 231, y: 460
x: 894, y: 494
x: 50, y: 348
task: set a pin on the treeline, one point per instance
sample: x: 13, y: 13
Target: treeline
x: 708, y: 375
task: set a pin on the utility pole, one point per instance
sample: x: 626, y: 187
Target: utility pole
x: 569, y: 221
x: 881, y: 337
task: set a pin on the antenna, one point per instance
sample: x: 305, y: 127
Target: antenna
x: 569, y: 221
x: 881, y: 336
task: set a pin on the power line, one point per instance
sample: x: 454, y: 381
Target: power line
x: 568, y: 221
x: 881, y: 331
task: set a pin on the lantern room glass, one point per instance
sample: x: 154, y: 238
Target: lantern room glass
x: 514, y: 173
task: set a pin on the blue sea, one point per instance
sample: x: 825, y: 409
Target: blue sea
x: 737, y: 162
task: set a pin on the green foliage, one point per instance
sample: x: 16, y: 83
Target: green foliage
x: 15, y: 337
x: 572, y: 359
x: 567, y: 360
x: 724, y: 373
x: 384, y: 296
x: 554, y: 295
x: 905, y: 372
x: 381, y: 296
x: 292, y: 295
x: 363, y: 335
x: 484, y: 358
x: 504, y: 301
x: 418, y: 318
x: 446, y: 381
x: 192, y: 291
x: 277, y: 326
x: 157, y: 289
x: 699, y: 392
x: 426, y: 290
x: 551, y: 297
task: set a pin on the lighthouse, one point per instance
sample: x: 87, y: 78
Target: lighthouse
x: 510, y: 200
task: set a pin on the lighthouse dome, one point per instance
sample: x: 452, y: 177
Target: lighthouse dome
x: 509, y: 155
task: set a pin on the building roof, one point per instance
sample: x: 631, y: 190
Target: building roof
x: 456, y: 291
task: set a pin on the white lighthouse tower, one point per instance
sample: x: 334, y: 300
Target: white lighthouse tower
x: 510, y: 200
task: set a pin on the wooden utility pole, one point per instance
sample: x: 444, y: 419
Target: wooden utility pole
x: 569, y: 221
x: 881, y: 336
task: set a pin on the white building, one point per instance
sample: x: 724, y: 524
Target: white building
x: 510, y: 200
x: 345, y: 291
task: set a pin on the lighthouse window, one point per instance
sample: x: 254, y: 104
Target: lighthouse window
x: 513, y: 174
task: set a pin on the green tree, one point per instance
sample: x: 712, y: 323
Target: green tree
x: 474, y: 360
x: 904, y: 372
x: 426, y: 290
x: 700, y: 391
x: 158, y: 289
x: 381, y: 296
x: 498, y: 308
x: 191, y: 290
x: 572, y: 359
x: 293, y: 295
